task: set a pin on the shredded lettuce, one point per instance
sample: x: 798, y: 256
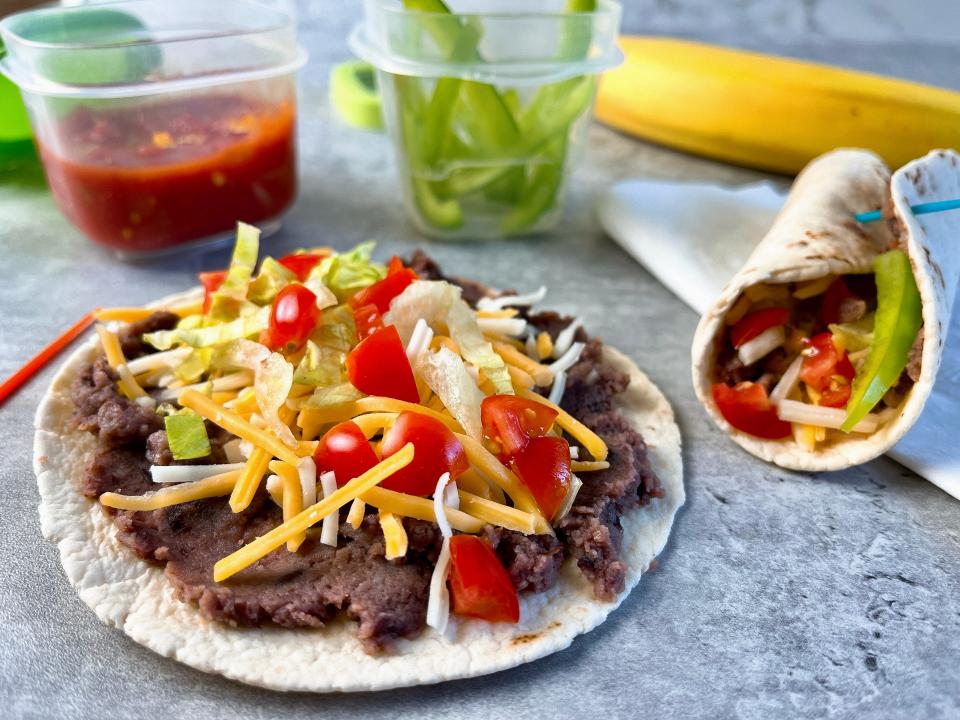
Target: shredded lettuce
x: 233, y: 292
x: 437, y: 301
x: 271, y: 279
x: 856, y: 335
x: 332, y: 395
x: 240, y: 354
x: 187, y: 436
x: 320, y: 365
x: 348, y: 272
x: 272, y: 382
x: 213, y: 334
x: 194, y: 365
x: 336, y: 330
x: 444, y: 372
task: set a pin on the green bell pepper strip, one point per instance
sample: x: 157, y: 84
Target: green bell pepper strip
x: 539, y: 193
x: 895, y: 328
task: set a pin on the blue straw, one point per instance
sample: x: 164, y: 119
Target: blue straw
x: 921, y: 209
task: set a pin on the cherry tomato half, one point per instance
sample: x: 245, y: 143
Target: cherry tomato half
x: 382, y: 292
x: 747, y: 407
x: 753, y: 324
x: 544, y: 467
x: 211, y: 282
x: 435, y: 451
x: 512, y: 421
x: 480, y: 587
x: 293, y: 317
x: 827, y: 370
x: 378, y: 365
x: 300, y: 264
x: 344, y: 450
x: 368, y: 320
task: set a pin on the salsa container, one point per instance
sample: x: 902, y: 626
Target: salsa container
x: 488, y: 108
x: 160, y: 123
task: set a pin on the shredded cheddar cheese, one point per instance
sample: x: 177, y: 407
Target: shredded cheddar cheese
x: 292, y: 498
x: 394, y: 535
x: 372, y: 423
x: 419, y: 508
x: 116, y: 360
x: 254, y: 551
x: 584, y: 435
x: 216, y: 486
x: 541, y: 374
x: 358, y: 509
x: 521, y: 379
x: 497, y: 314
x: 250, y: 479
x: 311, y: 418
x: 231, y: 422
x: 497, y: 514
x: 136, y: 314
x: 544, y: 345
x: 588, y: 465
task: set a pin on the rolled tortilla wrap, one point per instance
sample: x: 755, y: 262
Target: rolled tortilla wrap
x: 816, y: 235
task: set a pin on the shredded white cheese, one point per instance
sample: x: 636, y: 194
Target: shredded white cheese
x: 559, y: 385
x: 531, y: 347
x: 762, y: 345
x: 512, y: 327
x: 568, y: 359
x: 499, y: 303
x: 420, y: 339
x: 189, y: 473
x: 565, y: 338
x: 575, y: 485
x: 438, y: 602
x: 574, y: 452
x: 331, y: 523
x: 826, y: 417
x: 165, y: 360
x: 307, y: 469
x: 233, y: 381
x: 788, y: 382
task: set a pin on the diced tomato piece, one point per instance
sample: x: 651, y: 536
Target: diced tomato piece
x: 544, y: 467
x: 293, y: 317
x: 368, y: 320
x: 512, y: 421
x: 344, y: 450
x: 747, y: 407
x: 480, y: 586
x: 211, y: 282
x: 833, y: 297
x: 827, y: 370
x: 750, y: 326
x: 300, y: 264
x: 383, y: 292
x: 436, y: 451
x: 378, y: 365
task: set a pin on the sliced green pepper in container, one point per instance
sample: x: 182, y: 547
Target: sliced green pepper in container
x: 896, y: 324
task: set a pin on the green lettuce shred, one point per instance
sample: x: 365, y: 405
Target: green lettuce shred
x: 187, y: 436
x: 320, y: 365
x: 194, y: 365
x: 233, y: 292
x: 348, y: 272
x: 271, y: 279
x: 216, y: 333
x: 332, y: 395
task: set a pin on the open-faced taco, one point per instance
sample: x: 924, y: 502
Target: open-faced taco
x: 821, y: 352
x: 321, y: 473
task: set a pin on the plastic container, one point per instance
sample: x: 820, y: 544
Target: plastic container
x: 488, y: 110
x: 160, y: 123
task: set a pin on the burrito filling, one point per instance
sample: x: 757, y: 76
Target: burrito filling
x: 808, y: 362
x: 323, y: 434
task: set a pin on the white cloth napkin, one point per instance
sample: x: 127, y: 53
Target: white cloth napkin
x: 709, y: 231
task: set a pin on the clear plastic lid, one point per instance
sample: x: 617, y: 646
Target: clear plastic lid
x: 142, y: 47
x: 494, y: 41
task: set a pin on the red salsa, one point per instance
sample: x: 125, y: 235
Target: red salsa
x: 146, y: 178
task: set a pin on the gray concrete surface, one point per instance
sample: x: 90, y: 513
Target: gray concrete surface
x: 780, y: 594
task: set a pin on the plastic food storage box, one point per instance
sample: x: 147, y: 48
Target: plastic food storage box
x: 160, y: 123
x: 488, y: 107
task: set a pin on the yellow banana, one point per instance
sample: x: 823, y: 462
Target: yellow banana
x: 768, y: 112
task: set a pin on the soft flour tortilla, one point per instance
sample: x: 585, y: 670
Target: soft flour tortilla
x: 136, y: 597
x: 816, y: 235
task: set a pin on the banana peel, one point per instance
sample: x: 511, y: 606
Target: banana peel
x: 767, y: 112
